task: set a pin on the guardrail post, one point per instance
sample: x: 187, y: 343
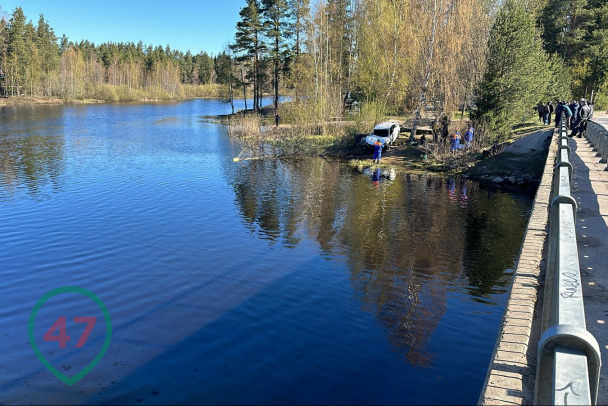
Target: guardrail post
x: 600, y: 143
x: 563, y: 144
x: 604, y: 158
x: 567, y: 321
x: 601, y: 151
x: 582, y: 382
x: 590, y: 137
x: 562, y: 188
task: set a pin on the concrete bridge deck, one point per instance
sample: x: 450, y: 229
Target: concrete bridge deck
x: 512, y: 371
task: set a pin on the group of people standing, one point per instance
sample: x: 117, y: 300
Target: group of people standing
x: 457, y: 138
x: 577, y: 114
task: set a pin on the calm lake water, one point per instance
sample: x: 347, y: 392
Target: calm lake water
x: 252, y: 282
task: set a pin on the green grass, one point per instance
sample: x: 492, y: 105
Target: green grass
x: 457, y: 114
x: 528, y: 127
x: 363, y: 163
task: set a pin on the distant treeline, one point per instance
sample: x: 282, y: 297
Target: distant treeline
x: 35, y: 62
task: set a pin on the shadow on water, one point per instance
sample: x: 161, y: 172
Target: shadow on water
x: 408, y: 244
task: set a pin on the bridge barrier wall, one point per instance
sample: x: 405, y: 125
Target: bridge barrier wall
x: 569, y: 360
x: 510, y: 376
x: 597, y: 135
x: 567, y: 353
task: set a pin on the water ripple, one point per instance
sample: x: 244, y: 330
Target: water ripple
x: 258, y: 282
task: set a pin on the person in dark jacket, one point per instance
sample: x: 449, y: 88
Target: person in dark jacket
x: 585, y: 113
x: 540, y: 108
x: 559, y: 107
x: 548, y: 112
x: 574, y: 108
x: 581, y: 123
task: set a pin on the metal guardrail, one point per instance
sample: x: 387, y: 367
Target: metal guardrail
x: 569, y: 361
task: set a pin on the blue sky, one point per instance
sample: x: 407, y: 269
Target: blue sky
x: 197, y: 25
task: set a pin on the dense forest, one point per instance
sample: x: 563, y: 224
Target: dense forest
x: 391, y: 56
x: 35, y: 62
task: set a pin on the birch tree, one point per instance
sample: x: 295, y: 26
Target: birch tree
x: 382, y: 47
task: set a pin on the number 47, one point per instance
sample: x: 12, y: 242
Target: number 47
x: 63, y: 337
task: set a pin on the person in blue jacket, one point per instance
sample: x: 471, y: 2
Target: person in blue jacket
x: 559, y: 107
x: 377, y: 151
x: 468, y: 136
x: 568, y: 114
x: 455, y: 142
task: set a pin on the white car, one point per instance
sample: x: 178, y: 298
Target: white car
x: 386, y: 133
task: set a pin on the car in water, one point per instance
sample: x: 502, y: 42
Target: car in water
x: 377, y: 174
x: 386, y: 132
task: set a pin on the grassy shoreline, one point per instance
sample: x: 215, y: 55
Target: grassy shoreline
x: 106, y: 93
x: 486, y: 162
x: 339, y: 140
x: 55, y: 101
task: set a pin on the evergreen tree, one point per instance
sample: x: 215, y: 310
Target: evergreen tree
x: 224, y: 69
x: 564, y: 26
x: 249, y: 45
x: 340, y: 22
x: 300, y: 12
x: 205, y: 67
x: 276, y: 28
x: 186, y: 67
x: 300, y: 9
x: 577, y: 31
x: 517, y: 73
x: 49, y: 54
x: 32, y: 61
x: 596, y: 53
x: 3, y: 54
x: 18, y: 55
x: 64, y: 44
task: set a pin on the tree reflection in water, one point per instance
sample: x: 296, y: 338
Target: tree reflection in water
x: 406, y: 242
x: 33, y: 163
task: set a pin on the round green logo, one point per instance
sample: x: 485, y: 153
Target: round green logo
x: 60, y: 325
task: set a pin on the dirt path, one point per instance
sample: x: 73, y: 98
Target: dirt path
x: 520, y: 163
x: 529, y: 144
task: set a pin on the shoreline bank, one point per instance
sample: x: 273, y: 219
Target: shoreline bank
x: 55, y: 101
x: 514, y: 167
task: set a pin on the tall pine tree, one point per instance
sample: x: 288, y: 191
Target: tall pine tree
x: 577, y: 31
x: 517, y: 73
x: 49, y: 54
x: 18, y: 55
x: 276, y: 28
x: 249, y: 45
x: 564, y: 26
